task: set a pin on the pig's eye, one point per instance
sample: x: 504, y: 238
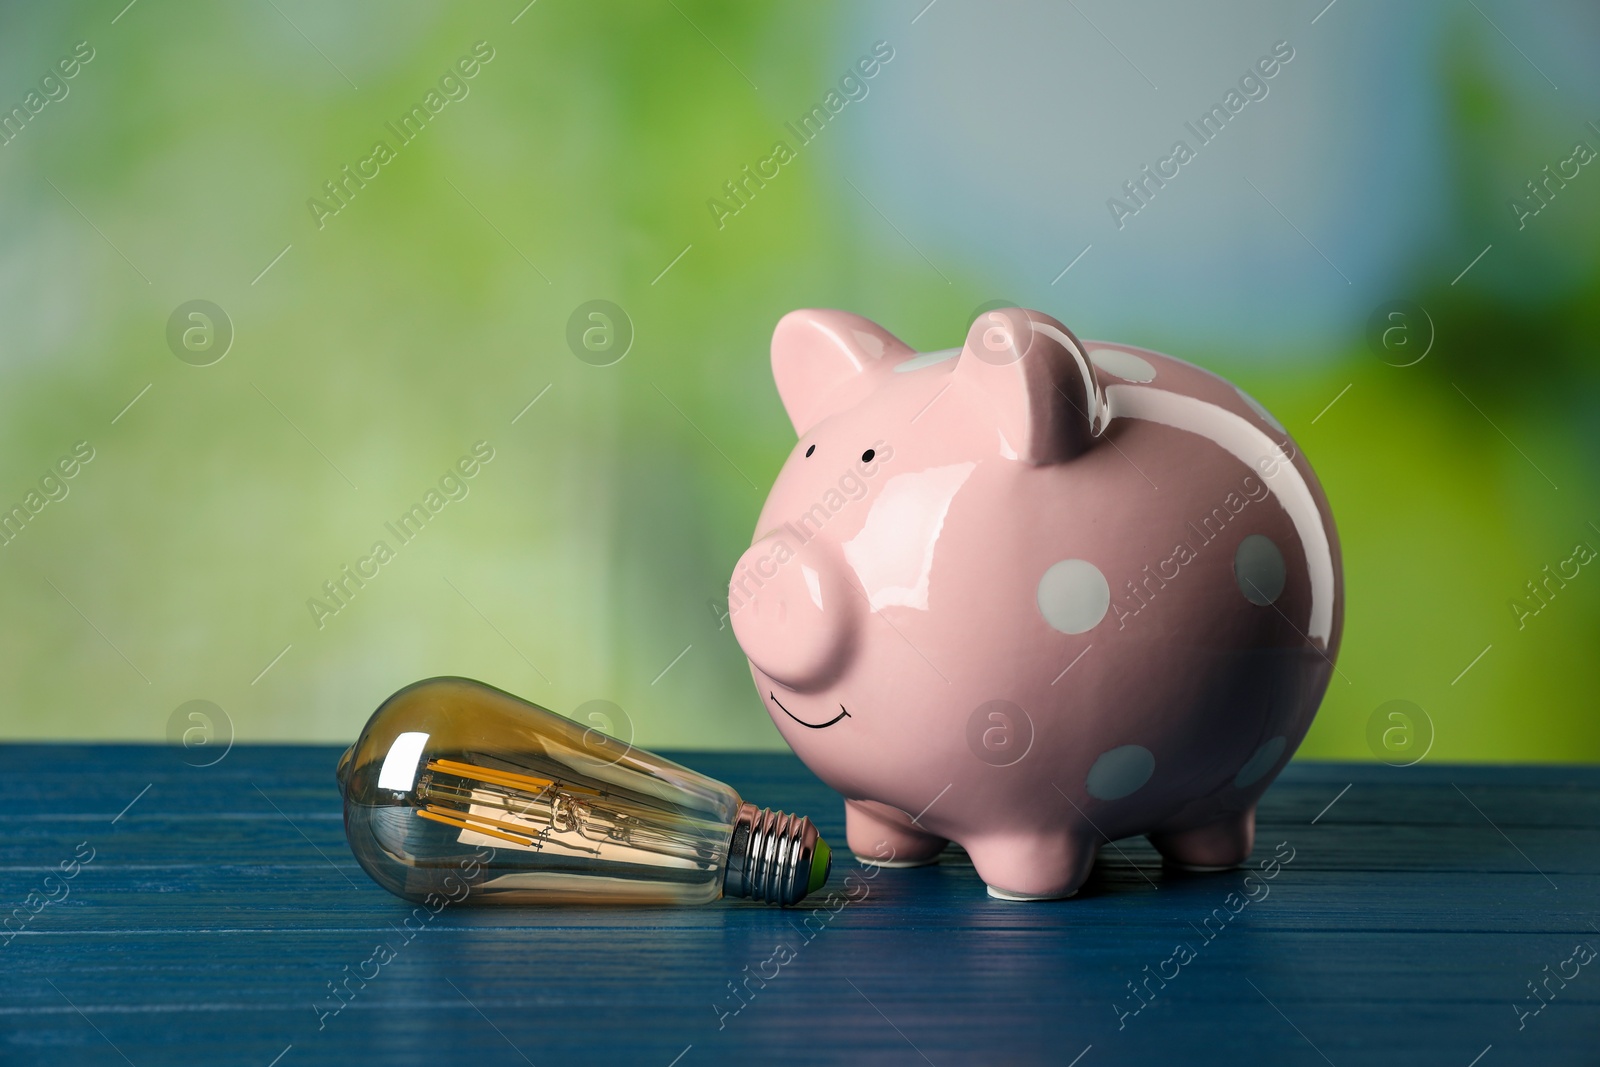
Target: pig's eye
x: 866, y: 457
x: 810, y: 450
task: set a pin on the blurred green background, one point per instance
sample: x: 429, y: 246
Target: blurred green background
x: 586, y: 560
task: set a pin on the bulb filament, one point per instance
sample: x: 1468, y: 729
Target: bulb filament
x: 538, y: 814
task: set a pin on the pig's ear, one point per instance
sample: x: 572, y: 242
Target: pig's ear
x: 822, y: 360
x: 1032, y: 374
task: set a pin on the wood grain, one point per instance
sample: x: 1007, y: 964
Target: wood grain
x: 221, y: 904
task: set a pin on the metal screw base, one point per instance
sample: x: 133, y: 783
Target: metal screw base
x: 769, y: 856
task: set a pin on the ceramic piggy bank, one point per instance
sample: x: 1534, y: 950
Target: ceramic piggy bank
x: 1035, y: 594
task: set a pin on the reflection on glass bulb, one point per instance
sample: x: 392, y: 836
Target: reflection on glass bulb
x: 460, y: 791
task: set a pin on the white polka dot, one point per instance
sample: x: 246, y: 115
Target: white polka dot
x: 926, y: 359
x: 1255, y: 406
x: 1264, y: 760
x: 1258, y: 568
x: 1124, y: 365
x: 1119, y: 772
x: 1074, y: 596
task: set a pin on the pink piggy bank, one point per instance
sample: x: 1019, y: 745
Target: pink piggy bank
x: 1035, y: 594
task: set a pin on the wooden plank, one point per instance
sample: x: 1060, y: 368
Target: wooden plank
x: 219, y: 907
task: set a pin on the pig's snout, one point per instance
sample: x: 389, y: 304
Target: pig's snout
x: 792, y: 611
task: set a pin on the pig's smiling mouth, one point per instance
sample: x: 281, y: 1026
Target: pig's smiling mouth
x: 843, y: 714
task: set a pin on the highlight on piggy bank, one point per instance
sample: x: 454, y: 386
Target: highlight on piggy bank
x: 1032, y: 594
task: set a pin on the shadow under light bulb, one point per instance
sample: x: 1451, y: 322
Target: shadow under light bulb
x: 461, y: 791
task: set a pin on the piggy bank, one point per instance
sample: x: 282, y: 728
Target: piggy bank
x: 1034, y: 594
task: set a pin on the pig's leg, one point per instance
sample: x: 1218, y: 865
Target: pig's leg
x: 1215, y: 846
x: 883, y: 837
x: 1033, y: 866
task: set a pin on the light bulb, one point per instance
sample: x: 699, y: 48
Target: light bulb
x: 458, y: 791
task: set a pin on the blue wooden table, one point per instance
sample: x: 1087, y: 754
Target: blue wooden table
x: 202, y: 915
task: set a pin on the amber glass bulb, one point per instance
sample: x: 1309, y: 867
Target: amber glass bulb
x: 458, y: 791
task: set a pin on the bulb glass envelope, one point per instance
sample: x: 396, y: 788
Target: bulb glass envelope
x: 460, y: 791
